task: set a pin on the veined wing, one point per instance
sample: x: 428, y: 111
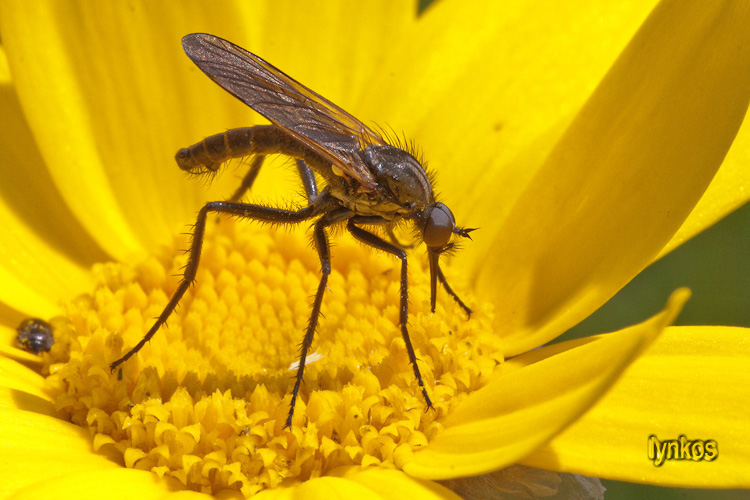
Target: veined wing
x: 304, y: 114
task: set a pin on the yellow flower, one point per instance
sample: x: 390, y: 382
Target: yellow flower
x: 582, y: 141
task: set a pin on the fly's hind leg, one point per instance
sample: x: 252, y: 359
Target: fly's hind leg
x: 248, y: 180
x: 305, y: 173
x: 241, y: 210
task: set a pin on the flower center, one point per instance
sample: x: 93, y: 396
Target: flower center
x: 206, y: 399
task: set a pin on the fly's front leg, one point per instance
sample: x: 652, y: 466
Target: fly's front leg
x: 396, y: 241
x: 377, y: 242
x: 450, y: 291
x: 242, y: 210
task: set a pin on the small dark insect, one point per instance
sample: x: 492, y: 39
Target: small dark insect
x: 368, y: 181
x: 35, y: 335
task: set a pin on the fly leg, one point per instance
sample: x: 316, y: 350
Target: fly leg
x: 324, y: 252
x: 397, y: 242
x: 241, y: 210
x: 248, y: 180
x: 308, y: 181
x: 450, y: 291
x: 307, y: 176
x: 376, y: 242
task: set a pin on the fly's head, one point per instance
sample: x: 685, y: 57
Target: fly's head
x: 404, y: 182
x: 437, y: 225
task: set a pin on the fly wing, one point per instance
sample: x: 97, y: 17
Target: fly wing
x: 304, y: 114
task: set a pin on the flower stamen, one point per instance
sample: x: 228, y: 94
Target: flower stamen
x: 205, y: 401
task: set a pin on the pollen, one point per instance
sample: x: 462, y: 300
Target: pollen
x: 206, y: 400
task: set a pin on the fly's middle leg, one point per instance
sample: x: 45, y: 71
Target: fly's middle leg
x: 324, y: 252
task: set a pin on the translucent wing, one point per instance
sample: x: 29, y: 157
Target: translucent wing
x: 304, y: 114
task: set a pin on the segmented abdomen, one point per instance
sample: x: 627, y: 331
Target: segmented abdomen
x: 207, y: 155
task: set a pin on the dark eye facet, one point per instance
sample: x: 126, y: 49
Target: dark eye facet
x: 439, y: 225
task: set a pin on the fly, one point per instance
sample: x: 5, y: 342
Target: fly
x: 369, y: 182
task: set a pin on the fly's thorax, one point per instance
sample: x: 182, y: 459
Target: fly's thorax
x: 366, y: 203
x: 402, y: 178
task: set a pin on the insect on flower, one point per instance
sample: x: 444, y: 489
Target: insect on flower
x: 369, y: 183
x: 35, y: 335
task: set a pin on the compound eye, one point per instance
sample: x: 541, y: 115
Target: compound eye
x: 439, y: 225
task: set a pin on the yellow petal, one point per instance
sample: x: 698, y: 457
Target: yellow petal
x: 694, y: 382
x: 625, y: 175
x: 8, y: 336
x: 14, y: 375
x: 49, y: 87
x: 20, y: 355
x: 45, y: 253
x: 13, y: 399
x: 729, y: 190
x: 38, y: 447
x: 101, y: 86
x: 474, y: 103
x: 331, y: 488
x: 390, y: 483
x: 112, y: 484
x: 535, y: 396
x: 194, y: 495
x: 373, y: 483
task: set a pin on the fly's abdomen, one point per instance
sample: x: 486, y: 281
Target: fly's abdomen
x: 208, y: 155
